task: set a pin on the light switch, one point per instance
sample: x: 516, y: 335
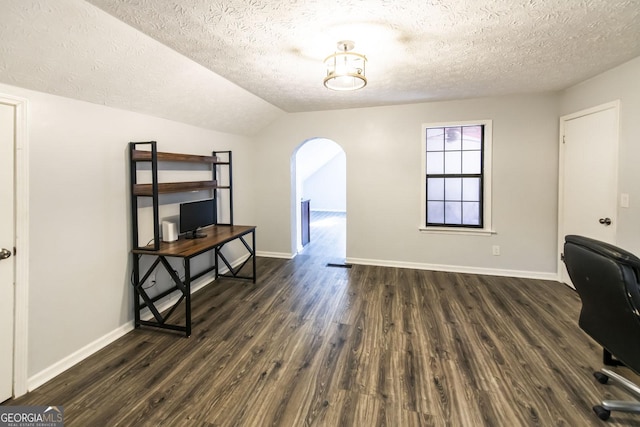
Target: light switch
x: 624, y: 200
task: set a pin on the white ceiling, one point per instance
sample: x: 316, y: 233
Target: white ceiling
x: 236, y: 65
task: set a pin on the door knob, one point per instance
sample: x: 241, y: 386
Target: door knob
x: 605, y: 221
x: 4, y: 253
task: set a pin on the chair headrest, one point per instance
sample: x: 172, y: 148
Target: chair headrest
x: 605, y: 249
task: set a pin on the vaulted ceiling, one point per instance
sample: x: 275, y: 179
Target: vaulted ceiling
x: 236, y: 65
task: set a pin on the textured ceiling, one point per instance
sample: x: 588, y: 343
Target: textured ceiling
x: 72, y: 49
x: 417, y: 50
x: 235, y: 65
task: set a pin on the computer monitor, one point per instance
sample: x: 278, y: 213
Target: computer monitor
x: 194, y: 215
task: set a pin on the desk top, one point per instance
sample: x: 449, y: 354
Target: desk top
x: 216, y: 235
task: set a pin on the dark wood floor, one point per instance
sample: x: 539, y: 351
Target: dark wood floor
x: 367, y: 346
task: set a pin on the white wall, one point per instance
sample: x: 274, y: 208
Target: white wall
x: 621, y: 83
x: 326, y: 187
x: 79, y: 217
x: 312, y: 154
x: 384, y: 182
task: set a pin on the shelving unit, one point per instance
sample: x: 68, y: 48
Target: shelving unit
x: 155, y: 188
x: 218, y: 235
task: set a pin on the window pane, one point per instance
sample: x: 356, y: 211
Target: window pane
x: 453, y: 189
x: 471, y: 162
x: 435, y: 189
x: 453, y: 213
x: 453, y: 138
x: 452, y: 162
x: 435, y: 162
x: 472, y: 138
x: 454, y: 183
x: 471, y: 189
x: 435, y: 139
x: 435, y: 212
x: 471, y: 213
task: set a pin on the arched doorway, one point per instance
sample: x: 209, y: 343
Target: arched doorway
x: 318, y: 168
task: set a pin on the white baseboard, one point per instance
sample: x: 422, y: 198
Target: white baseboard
x: 435, y: 267
x: 275, y: 255
x: 456, y: 269
x: 78, y: 356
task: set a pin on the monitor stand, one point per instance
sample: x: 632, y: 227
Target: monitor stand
x: 194, y: 235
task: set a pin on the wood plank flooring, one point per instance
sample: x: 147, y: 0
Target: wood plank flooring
x: 310, y: 345
x: 328, y: 236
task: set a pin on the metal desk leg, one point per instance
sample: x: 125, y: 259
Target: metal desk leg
x: 253, y: 246
x: 187, y: 285
x: 136, y: 295
x: 216, y: 253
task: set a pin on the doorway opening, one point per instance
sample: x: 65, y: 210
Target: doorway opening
x: 319, y: 200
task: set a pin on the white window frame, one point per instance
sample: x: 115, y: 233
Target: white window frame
x: 486, y: 188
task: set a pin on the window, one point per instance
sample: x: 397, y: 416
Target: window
x: 456, y: 166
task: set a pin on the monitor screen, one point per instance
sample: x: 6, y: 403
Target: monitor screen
x: 194, y: 215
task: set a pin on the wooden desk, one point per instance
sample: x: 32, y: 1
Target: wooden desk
x: 216, y: 237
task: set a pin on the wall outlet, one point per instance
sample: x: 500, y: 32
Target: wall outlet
x: 495, y: 250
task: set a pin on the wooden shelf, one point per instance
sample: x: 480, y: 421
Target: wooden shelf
x: 174, y: 187
x: 141, y: 158
x: 145, y: 156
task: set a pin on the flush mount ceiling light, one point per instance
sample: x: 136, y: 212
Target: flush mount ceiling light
x: 345, y: 69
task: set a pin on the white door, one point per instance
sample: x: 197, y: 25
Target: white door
x: 589, y: 180
x: 7, y: 266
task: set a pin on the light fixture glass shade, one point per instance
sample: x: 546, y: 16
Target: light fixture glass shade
x: 345, y: 69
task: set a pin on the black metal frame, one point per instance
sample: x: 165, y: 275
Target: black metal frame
x: 139, y: 292
x: 227, y: 163
x: 234, y: 272
x: 184, y: 285
x: 480, y: 175
x: 609, y: 360
x: 155, y: 197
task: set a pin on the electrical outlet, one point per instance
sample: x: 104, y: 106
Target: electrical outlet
x: 495, y: 250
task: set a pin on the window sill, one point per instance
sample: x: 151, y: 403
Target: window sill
x: 457, y: 231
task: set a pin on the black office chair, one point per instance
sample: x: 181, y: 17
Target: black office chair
x: 607, y: 280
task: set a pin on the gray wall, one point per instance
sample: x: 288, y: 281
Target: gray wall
x: 384, y: 182
x: 326, y: 187
x: 79, y: 266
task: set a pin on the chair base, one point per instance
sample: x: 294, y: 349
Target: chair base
x: 603, y: 411
x: 609, y: 360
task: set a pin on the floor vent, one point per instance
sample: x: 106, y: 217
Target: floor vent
x: 339, y: 265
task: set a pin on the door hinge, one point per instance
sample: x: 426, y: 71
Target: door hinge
x: 14, y: 251
x: 561, y: 257
x: 563, y: 139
